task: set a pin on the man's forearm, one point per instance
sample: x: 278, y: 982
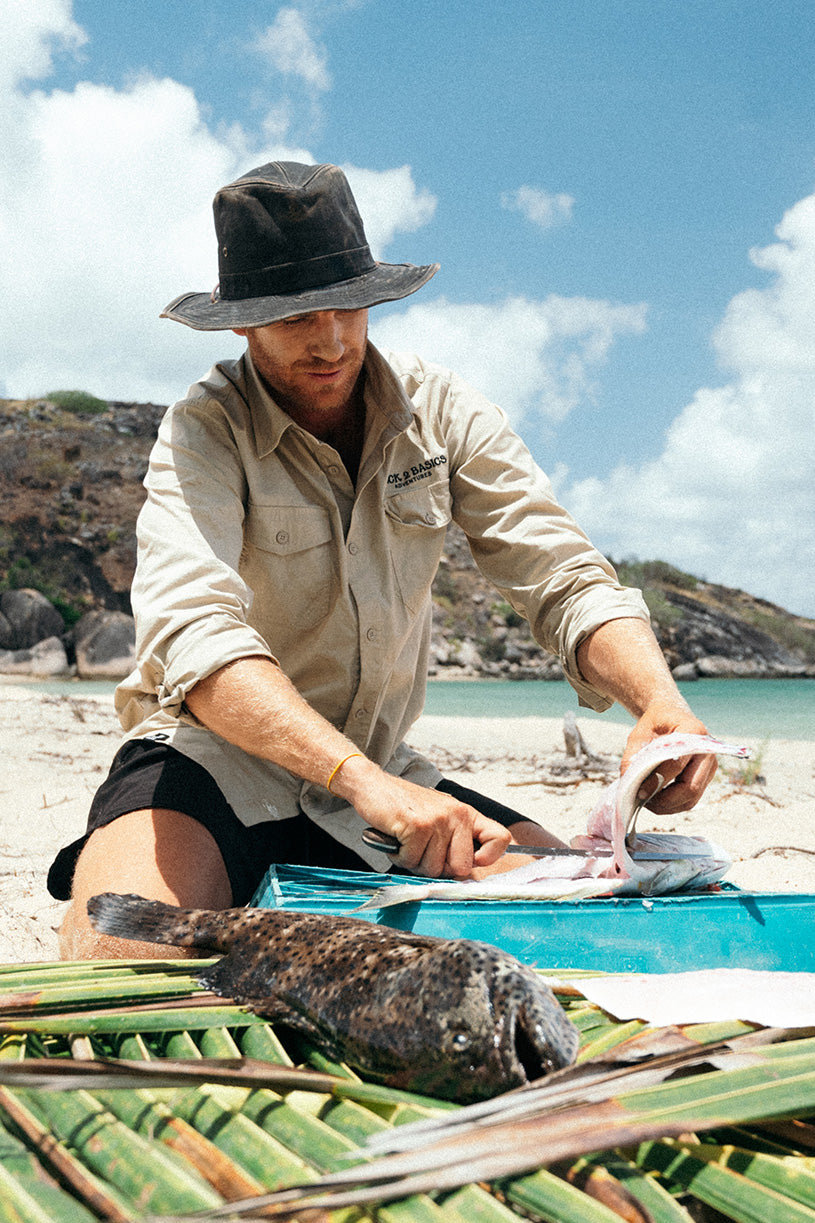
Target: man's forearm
x: 622, y: 660
x: 254, y: 705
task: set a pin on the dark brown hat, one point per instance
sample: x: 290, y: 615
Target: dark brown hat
x: 290, y: 241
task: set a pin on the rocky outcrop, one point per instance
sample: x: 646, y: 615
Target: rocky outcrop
x: 706, y: 640
x: 26, y: 618
x: 706, y: 631
x: 47, y: 659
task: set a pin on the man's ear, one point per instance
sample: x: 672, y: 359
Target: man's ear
x: 240, y: 330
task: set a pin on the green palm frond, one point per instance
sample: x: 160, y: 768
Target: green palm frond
x: 127, y: 1093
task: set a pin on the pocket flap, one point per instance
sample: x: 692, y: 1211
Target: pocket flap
x: 286, y: 529
x: 421, y: 507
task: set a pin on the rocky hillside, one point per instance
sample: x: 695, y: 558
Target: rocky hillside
x: 71, y: 470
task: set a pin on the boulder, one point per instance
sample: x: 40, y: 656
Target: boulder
x: 26, y: 617
x: 713, y: 666
x: 105, y: 643
x: 465, y: 655
x: 45, y: 660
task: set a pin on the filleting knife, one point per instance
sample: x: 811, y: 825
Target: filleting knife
x: 388, y: 844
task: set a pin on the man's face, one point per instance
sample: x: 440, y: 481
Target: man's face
x: 311, y: 362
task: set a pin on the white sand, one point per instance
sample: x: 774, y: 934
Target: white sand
x: 56, y: 750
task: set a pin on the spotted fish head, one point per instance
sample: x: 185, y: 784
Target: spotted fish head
x: 497, y: 1025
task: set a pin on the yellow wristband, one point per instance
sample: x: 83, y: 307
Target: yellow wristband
x: 337, y: 768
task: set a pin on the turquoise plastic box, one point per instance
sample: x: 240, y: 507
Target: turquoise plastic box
x: 691, y: 930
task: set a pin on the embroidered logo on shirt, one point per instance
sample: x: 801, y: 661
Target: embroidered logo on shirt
x: 398, y: 480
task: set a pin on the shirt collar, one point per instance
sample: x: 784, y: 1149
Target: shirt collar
x: 383, y: 393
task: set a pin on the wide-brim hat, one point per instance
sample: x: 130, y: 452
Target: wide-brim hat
x: 291, y: 241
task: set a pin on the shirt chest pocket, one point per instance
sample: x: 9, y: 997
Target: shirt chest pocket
x: 418, y: 519
x: 287, y: 563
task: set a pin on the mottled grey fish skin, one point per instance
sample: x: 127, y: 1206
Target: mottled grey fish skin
x: 451, y: 1018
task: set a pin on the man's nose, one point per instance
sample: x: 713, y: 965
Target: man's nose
x: 326, y: 339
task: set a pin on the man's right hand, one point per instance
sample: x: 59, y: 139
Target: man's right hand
x: 441, y: 837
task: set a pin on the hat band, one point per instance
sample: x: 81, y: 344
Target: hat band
x: 315, y: 273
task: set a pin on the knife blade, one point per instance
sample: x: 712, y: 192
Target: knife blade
x: 388, y: 844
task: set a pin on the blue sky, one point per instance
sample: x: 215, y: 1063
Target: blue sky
x: 620, y: 194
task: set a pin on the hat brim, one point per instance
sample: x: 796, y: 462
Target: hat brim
x: 385, y: 282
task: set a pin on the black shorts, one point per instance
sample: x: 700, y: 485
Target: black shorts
x: 146, y: 774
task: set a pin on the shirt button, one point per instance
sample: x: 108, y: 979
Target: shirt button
x: 429, y: 519
x: 360, y: 714
x: 372, y: 634
x: 353, y: 549
x: 282, y: 537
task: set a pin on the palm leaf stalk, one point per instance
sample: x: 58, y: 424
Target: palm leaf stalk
x: 215, y: 1093
x: 759, y: 1187
x: 30, y: 1196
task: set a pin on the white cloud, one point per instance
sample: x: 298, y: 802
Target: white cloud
x: 291, y: 49
x: 731, y: 495
x: 390, y: 203
x: 772, y: 329
x: 542, y: 208
x: 531, y: 357
x: 31, y: 33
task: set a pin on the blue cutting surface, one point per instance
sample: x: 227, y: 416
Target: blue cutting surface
x: 720, y: 929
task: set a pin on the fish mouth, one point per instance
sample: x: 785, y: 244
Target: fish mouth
x: 542, y: 1040
x: 532, y: 1062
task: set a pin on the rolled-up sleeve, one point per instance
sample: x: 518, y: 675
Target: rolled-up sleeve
x: 523, y: 541
x: 190, y: 603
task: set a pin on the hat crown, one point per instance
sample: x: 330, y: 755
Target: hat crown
x: 286, y: 227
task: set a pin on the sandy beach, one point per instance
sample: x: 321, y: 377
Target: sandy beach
x: 56, y: 749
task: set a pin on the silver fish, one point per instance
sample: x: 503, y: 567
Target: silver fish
x: 451, y: 1018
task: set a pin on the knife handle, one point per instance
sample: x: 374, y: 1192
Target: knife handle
x: 383, y: 841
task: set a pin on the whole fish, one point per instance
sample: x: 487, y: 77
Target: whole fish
x: 451, y: 1018
x: 611, y: 827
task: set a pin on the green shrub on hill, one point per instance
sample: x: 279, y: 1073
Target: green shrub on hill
x: 80, y: 402
x: 646, y: 573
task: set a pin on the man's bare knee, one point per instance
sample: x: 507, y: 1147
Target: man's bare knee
x: 159, y: 854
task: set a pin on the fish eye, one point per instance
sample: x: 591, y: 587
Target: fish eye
x: 461, y: 1041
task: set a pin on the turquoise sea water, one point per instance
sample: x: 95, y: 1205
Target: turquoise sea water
x: 763, y: 709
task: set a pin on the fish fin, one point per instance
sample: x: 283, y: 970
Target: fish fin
x: 149, y: 921
x: 236, y: 976
x: 228, y: 979
x: 395, y: 894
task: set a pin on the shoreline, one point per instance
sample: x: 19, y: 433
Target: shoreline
x: 57, y: 749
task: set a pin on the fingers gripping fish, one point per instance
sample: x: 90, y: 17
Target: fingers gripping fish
x: 614, y: 818
x: 451, y: 1018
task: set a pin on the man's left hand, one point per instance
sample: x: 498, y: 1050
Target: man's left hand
x: 684, y: 780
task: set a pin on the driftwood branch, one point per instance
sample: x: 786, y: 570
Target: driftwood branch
x: 578, y: 764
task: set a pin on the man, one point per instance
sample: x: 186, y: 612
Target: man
x: 297, y: 501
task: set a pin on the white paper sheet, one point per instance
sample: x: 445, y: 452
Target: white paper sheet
x: 774, y: 999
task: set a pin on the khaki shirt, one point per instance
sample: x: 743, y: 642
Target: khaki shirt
x: 253, y: 541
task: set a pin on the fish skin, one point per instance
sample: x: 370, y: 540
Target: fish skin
x: 452, y: 1018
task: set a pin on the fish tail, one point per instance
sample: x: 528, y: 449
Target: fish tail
x: 152, y: 921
